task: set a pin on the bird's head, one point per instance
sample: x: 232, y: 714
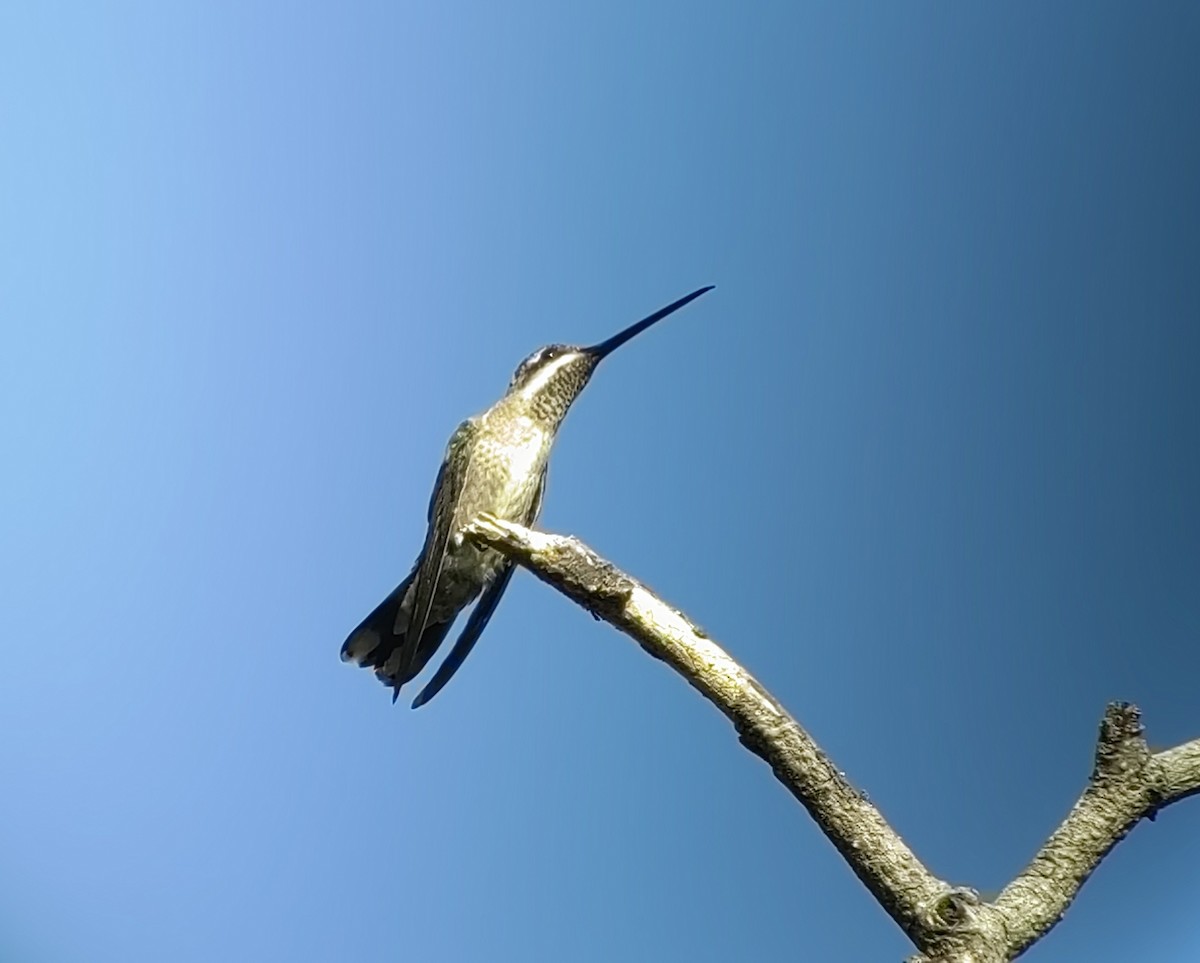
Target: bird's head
x: 552, y: 377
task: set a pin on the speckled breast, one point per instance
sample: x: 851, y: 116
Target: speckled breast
x: 505, y: 473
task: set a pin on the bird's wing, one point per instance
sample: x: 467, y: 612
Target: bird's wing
x: 479, y: 617
x: 470, y: 635
x: 451, y: 480
x: 536, y: 509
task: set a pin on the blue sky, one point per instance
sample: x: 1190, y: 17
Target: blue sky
x: 925, y: 462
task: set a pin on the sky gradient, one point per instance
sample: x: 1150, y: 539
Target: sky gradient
x: 926, y: 462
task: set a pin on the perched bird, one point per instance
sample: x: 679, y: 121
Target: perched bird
x: 496, y: 463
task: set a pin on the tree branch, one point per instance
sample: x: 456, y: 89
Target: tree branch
x: 1128, y: 784
x: 948, y: 924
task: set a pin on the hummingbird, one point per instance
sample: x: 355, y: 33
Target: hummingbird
x: 496, y: 463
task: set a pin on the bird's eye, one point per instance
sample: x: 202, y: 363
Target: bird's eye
x: 550, y: 354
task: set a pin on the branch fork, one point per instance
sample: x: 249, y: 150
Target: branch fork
x: 947, y: 924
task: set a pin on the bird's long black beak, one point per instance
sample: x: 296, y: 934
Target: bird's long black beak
x: 605, y: 348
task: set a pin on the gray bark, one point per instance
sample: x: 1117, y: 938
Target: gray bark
x: 947, y: 924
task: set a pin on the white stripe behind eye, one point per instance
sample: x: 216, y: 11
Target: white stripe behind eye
x: 539, y: 380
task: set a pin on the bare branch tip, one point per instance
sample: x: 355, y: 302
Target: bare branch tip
x: 489, y: 529
x: 1121, y: 747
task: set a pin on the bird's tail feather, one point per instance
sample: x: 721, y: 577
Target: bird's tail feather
x: 375, y: 643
